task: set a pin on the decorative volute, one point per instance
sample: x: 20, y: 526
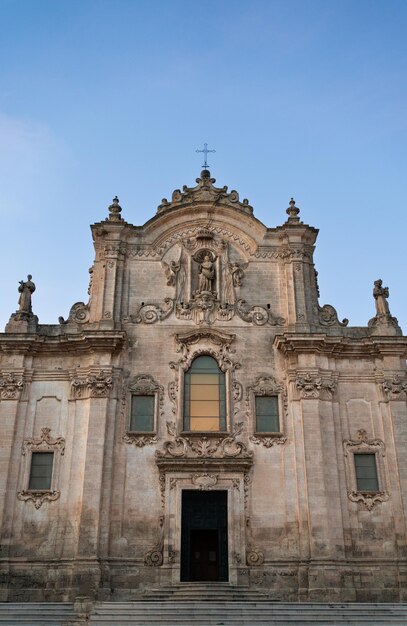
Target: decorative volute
x: 205, y: 192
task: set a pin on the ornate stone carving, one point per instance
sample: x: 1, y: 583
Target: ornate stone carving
x: 204, y: 482
x: 139, y: 440
x: 267, y: 441
x: 311, y: 386
x: 221, y: 341
x: 11, y: 386
x: 143, y: 384
x: 26, y: 289
x: 95, y: 385
x: 152, y: 313
x: 328, y: 316
x: 202, y: 446
x: 254, y: 555
x: 205, y: 192
x: 395, y: 388
x: 38, y: 497
x: 362, y: 444
x: 237, y: 391
x: 78, y: 314
x: 154, y: 557
x: 44, y: 443
x: 171, y: 270
x: 257, y: 315
x: 207, y: 272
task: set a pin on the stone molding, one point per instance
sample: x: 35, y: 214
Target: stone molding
x: 44, y: 443
x: 11, y: 386
x: 362, y: 444
x: 341, y: 346
x: 95, y: 385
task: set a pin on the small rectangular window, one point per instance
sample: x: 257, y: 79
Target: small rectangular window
x: 142, y: 414
x: 41, y: 471
x: 366, y: 472
x: 267, y: 420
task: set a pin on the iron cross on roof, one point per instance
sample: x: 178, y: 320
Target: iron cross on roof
x: 205, y: 151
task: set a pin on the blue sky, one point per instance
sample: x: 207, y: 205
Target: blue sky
x: 299, y: 98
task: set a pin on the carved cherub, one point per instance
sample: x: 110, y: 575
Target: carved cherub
x: 236, y: 269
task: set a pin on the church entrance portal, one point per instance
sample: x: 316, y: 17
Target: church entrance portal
x: 204, y: 538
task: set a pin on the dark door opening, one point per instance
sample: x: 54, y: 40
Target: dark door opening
x: 204, y: 541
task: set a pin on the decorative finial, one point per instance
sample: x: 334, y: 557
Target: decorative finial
x: 114, y: 211
x: 205, y: 151
x: 292, y: 212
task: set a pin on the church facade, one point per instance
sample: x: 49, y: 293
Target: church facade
x: 203, y: 418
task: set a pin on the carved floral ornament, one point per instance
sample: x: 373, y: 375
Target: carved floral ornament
x: 267, y: 386
x: 141, y: 385
x: 312, y: 386
x: 11, y: 386
x: 96, y: 385
x: 44, y: 443
x: 362, y: 444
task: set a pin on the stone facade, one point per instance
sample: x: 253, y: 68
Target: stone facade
x: 203, y: 277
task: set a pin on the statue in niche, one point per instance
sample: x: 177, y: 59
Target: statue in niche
x: 206, y: 274
x: 26, y: 289
x: 380, y: 295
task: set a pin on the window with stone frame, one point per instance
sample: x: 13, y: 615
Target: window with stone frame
x: 204, y: 396
x: 142, y: 406
x: 40, y: 476
x: 365, y: 469
x: 267, y: 414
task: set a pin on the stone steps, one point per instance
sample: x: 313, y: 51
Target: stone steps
x: 245, y: 614
x: 38, y: 613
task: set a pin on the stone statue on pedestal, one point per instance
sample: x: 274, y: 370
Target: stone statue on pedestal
x: 26, y: 289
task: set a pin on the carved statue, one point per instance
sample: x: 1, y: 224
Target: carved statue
x: 206, y: 275
x: 26, y: 289
x: 380, y: 295
x: 171, y: 270
x: 237, y: 273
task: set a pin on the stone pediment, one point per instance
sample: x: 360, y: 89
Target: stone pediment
x: 205, y: 192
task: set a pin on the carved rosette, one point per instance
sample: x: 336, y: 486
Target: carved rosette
x: 94, y: 386
x: 362, y: 444
x: 313, y: 386
x: 11, y: 386
x: 155, y: 556
x: 395, y: 388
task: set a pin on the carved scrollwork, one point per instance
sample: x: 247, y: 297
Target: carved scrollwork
x: 311, y: 386
x: 204, y: 482
x: 43, y: 443
x: 254, y: 555
x: 328, y: 316
x: 154, y: 557
x: 95, y: 385
x: 368, y: 499
x: 257, y: 315
x: 38, y: 497
x: 78, y: 314
x: 11, y: 386
x: 237, y: 391
x: 267, y: 441
x: 139, y: 440
x: 152, y: 313
x: 395, y: 388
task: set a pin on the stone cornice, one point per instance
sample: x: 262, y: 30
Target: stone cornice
x: 168, y: 464
x: 349, y: 347
x: 85, y: 342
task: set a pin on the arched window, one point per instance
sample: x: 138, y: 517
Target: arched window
x: 204, y: 396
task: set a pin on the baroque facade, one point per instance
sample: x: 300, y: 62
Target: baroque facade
x: 203, y: 418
